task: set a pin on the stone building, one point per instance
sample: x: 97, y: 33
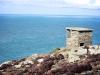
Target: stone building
x: 77, y: 37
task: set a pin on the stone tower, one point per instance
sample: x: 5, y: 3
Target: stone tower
x: 77, y: 37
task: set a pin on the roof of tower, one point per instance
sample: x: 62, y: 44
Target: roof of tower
x: 79, y: 29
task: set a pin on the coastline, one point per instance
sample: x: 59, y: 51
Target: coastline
x: 61, y: 61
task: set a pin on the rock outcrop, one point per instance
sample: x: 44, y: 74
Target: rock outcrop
x: 62, y: 61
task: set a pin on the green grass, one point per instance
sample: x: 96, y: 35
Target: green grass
x: 66, y: 50
x: 56, y: 51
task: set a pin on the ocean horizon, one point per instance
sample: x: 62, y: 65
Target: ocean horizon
x: 25, y: 35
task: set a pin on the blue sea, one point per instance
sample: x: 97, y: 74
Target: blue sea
x: 24, y: 35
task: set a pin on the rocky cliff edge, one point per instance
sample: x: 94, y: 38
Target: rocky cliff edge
x: 61, y: 61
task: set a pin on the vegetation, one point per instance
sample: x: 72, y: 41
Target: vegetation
x: 66, y: 49
x: 55, y: 63
x: 56, y: 51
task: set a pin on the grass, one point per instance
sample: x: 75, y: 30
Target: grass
x: 66, y: 50
x: 56, y: 51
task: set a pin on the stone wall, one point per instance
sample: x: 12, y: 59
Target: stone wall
x: 85, y: 37
x: 77, y: 37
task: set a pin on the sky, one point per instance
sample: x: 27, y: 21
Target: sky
x: 52, y: 7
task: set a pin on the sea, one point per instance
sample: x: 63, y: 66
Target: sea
x: 25, y: 35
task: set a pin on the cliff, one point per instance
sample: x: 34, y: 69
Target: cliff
x: 61, y: 61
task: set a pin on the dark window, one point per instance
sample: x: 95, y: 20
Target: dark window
x: 81, y: 44
x: 81, y: 31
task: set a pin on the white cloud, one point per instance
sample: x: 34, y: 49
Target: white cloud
x: 97, y: 3
x: 78, y: 1
x: 84, y: 3
x: 56, y: 3
x: 20, y: 2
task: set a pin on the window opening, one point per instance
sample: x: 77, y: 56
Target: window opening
x: 69, y: 33
x: 81, y: 44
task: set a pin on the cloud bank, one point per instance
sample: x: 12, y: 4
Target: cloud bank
x: 90, y: 4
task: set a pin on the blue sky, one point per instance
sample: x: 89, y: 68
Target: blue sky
x: 55, y: 7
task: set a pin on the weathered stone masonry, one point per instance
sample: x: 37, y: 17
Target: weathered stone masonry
x: 77, y: 37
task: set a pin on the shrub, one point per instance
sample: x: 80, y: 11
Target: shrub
x: 5, y: 66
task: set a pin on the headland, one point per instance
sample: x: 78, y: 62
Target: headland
x: 84, y: 60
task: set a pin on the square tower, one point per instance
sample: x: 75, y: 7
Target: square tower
x: 77, y: 37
